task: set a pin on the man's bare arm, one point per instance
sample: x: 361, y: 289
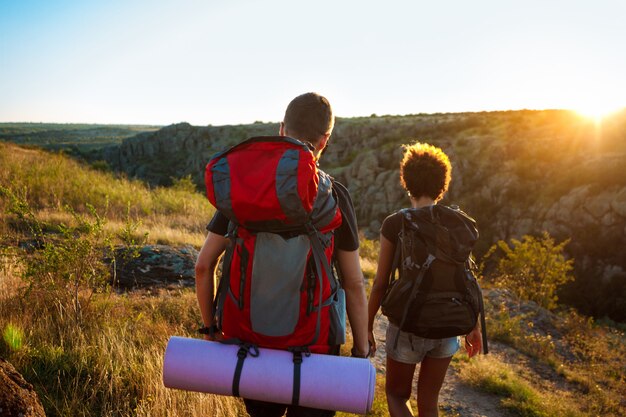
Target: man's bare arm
x: 356, y: 301
x: 206, y: 264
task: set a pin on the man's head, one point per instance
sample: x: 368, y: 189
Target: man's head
x: 425, y: 171
x: 309, y: 117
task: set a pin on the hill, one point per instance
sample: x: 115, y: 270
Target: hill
x: 77, y: 139
x: 516, y: 172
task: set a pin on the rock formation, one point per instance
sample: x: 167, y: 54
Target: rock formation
x: 155, y: 266
x: 17, y: 397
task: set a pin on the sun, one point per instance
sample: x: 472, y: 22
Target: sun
x: 598, y: 110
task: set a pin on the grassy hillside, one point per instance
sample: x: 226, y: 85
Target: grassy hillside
x: 55, y: 185
x: 78, y: 139
x: 91, y: 351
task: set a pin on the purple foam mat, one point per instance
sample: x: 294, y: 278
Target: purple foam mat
x: 327, y: 382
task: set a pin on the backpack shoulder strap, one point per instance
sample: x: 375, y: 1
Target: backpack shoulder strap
x: 395, y: 265
x: 416, y: 284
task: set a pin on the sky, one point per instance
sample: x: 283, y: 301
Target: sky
x: 239, y: 61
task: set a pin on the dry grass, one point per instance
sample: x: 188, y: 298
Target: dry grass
x: 110, y: 364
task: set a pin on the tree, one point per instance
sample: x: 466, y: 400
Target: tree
x: 533, y: 268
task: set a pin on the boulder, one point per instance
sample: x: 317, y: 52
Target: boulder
x: 17, y: 397
x: 155, y: 266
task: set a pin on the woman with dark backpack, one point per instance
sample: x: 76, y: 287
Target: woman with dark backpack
x: 425, y: 173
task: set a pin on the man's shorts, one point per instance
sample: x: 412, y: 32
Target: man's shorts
x: 412, y: 349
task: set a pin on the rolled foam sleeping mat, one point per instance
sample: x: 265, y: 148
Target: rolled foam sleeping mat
x: 327, y: 382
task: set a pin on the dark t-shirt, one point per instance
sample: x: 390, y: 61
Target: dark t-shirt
x: 346, y: 236
x: 391, y: 227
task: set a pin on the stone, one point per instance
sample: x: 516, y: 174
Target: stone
x: 598, y: 206
x: 618, y: 203
x: 17, y: 397
x: 156, y: 266
x: 366, y: 166
x: 609, y: 219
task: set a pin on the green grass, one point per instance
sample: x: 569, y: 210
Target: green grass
x: 50, y: 183
x: 517, y: 394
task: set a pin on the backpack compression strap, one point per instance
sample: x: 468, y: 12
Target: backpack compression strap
x: 242, y: 354
x: 414, y: 288
x: 320, y: 261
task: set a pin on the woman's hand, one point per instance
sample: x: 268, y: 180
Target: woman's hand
x: 372, y: 341
x: 474, y: 342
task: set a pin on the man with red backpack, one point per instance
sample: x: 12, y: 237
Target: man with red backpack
x: 307, y: 240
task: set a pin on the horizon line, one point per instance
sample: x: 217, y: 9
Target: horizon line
x: 372, y: 115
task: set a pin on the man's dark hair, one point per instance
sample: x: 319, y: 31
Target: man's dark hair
x: 425, y: 170
x: 308, y: 117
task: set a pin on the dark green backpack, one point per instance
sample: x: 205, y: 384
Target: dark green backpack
x: 436, y: 295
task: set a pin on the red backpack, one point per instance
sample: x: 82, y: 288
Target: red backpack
x: 277, y: 288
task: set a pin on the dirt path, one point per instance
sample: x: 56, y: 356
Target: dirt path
x: 456, y: 398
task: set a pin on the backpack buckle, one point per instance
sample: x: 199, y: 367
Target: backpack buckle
x: 247, y: 348
x: 429, y: 260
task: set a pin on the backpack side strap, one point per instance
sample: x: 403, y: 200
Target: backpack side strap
x: 414, y: 288
x: 395, y: 264
x: 483, y: 324
x: 320, y: 261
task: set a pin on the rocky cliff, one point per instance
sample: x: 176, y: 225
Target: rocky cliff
x: 516, y: 172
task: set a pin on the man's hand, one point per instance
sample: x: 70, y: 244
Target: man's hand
x: 216, y: 337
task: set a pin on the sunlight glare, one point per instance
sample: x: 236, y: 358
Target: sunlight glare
x: 598, y: 109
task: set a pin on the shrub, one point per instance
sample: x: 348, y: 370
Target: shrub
x: 533, y: 268
x: 66, y: 267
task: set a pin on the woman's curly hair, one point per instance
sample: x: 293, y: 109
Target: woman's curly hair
x: 425, y: 170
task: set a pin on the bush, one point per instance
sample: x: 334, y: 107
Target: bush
x: 64, y: 268
x: 532, y: 268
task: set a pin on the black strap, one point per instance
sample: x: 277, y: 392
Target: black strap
x: 396, y: 261
x: 242, y: 354
x: 297, y: 371
x: 414, y: 288
x: 210, y: 330
x: 483, y: 324
x: 224, y: 283
x: 320, y: 261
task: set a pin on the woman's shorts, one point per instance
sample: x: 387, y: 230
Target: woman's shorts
x: 412, y: 349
